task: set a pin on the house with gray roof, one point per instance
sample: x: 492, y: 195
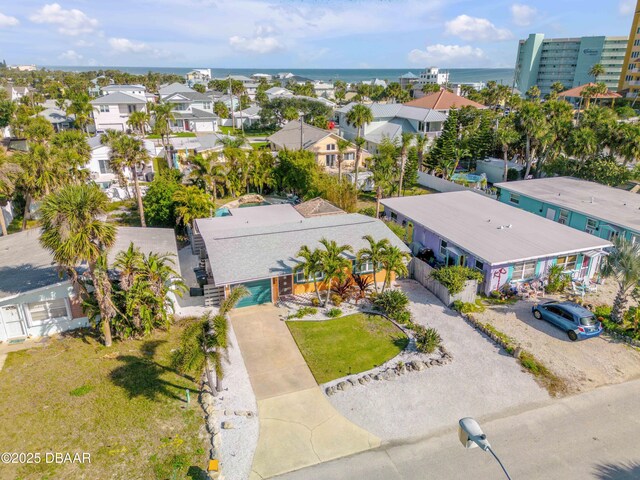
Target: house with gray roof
x: 257, y: 247
x: 112, y: 110
x: 175, y: 87
x: 36, y: 299
x: 507, y: 245
x: 192, y: 111
x: 57, y: 118
x: 296, y: 135
x: 390, y: 120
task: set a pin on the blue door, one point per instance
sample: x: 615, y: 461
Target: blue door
x: 259, y: 292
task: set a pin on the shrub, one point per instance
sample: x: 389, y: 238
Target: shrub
x: 557, y: 281
x: 455, y: 276
x: 315, y: 302
x: 304, y: 312
x: 403, y: 317
x: 343, y: 289
x: 368, y: 211
x: 336, y: 299
x: 467, y: 307
x: 392, y: 302
x: 334, y: 312
x: 602, y: 312
x: 427, y: 339
x: 513, y: 174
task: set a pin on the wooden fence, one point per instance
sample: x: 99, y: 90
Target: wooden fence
x: 421, y: 272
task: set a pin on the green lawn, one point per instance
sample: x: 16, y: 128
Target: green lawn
x: 351, y: 344
x: 175, y: 134
x: 122, y: 405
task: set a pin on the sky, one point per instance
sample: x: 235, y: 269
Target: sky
x: 294, y: 33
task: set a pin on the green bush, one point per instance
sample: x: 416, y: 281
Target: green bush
x: 392, y: 302
x: 557, y: 281
x: 334, y: 312
x: 336, y: 299
x: 427, y: 339
x: 512, y: 175
x: 603, y: 312
x: 455, y: 276
x: 368, y: 211
x: 403, y: 317
x: 467, y: 307
x: 315, y: 302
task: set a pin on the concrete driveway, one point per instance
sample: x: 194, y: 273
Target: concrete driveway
x: 298, y: 425
x: 481, y: 381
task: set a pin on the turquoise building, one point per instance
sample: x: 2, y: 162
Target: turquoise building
x: 602, y: 211
x: 543, y: 61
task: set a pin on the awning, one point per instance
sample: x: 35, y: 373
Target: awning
x: 596, y: 253
x: 611, y: 227
x: 456, y: 251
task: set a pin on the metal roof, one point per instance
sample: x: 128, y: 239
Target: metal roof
x: 247, y: 252
x: 289, y: 136
x: 592, y: 199
x: 117, y: 98
x: 490, y: 230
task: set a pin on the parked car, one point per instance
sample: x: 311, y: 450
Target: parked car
x: 577, y: 321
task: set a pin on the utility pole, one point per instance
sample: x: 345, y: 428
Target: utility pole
x: 233, y: 115
x: 301, y: 131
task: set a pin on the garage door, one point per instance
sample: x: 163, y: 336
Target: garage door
x: 259, y: 292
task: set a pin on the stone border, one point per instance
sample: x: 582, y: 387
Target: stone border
x: 623, y: 338
x: 515, y: 350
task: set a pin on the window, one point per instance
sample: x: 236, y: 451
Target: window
x: 478, y: 265
x: 105, y: 166
x: 443, y: 248
x: 207, y: 105
x: 364, y: 267
x: 41, y: 312
x: 563, y: 218
x: 349, y: 156
x: 331, y: 146
x: 591, y: 226
x: 568, y: 263
x: 104, y: 108
x: 515, y: 199
x: 132, y: 108
x: 330, y: 160
x: 300, y: 278
x: 635, y: 238
x: 524, y: 270
x: 612, y: 234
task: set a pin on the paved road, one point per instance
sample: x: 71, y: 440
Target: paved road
x: 591, y: 436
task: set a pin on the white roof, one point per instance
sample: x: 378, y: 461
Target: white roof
x: 490, y: 230
x: 589, y: 198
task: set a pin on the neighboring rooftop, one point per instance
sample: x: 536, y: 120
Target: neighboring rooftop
x: 26, y: 266
x: 391, y: 110
x: 443, y: 100
x: 245, y: 252
x: 289, y: 136
x: 117, y: 98
x: 490, y: 230
x: 592, y: 199
x: 174, y: 87
x: 192, y: 96
x: 577, y: 92
x: 317, y: 207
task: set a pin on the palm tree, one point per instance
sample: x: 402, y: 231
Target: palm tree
x: 79, y: 105
x: 374, y: 254
x: 343, y: 146
x: 209, y: 172
x: 9, y: 172
x: 129, y: 263
x: 421, y: 145
x: 405, y: 141
x: 192, y: 203
x: 623, y: 263
x: 506, y: 136
x: 73, y: 151
x: 334, y: 263
x: 73, y: 232
x: 583, y: 143
x: 359, y: 116
x: 597, y: 70
x: 628, y: 142
x: 310, y: 266
x: 530, y: 121
x: 161, y: 278
x: 163, y: 116
x: 395, y: 261
x: 138, y: 121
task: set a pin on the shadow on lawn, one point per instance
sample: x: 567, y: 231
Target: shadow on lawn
x: 620, y: 471
x: 142, y: 376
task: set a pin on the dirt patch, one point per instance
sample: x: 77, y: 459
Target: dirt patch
x: 583, y: 365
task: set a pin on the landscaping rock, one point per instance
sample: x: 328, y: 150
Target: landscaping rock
x: 227, y: 425
x: 418, y: 365
x: 352, y: 382
x: 366, y: 378
x: 361, y: 381
x: 343, y: 386
x: 330, y: 390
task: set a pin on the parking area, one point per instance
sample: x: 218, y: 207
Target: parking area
x: 583, y: 364
x: 481, y: 381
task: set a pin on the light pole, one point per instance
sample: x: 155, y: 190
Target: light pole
x: 301, y: 130
x: 471, y: 435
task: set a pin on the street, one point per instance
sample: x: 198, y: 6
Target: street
x: 590, y: 436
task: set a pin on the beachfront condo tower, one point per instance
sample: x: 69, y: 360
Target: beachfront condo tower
x: 630, y: 77
x: 544, y: 61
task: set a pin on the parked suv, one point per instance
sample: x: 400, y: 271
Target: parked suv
x: 577, y: 321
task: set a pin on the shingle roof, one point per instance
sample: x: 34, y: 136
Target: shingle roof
x: 116, y: 88
x: 195, y: 114
x: 592, y: 199
x: 117, y: 98
x: 25, y: 265
x: 174, y: 87
x: 577, y: 92
x: 250, y: 253
x: 289, y: 136
x: 490, y: 230
x: 391, y: 110
x: 443, y: 100
x: 55, y: 115
x: 317, y: 207
x: 192, y: 96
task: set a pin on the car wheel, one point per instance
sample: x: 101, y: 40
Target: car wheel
x: 573, y: 336
x: 537, y: 314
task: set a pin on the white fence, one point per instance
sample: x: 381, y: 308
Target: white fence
x: 441, y: 185
x: 422, y: 273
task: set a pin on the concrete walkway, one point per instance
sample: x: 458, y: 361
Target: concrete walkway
x: 6, y: 348
x: 298, y: 425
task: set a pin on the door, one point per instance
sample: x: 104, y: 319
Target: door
x: 551, y: 214
x: 13, y: 325
x: 285, y: 285
x: 259, y: 292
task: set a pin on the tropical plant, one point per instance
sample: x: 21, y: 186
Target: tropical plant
x: 73, y: 232
x: 359, y: 116
x: 395, y: 261
x: 363, y: 282
x: 80, y: 107
x: 623, y: 264
x: 405, y: 141
x: 9, y: 173
x: 375, y: 254
x: 163, y: 116
x: 310, y: 266
x: 392, y: 303
x: 334, y: 312
x: 530, y: 121
x: 208, y: 173
x: 138, y: 121
x: 427, y: 339
x: 454, y: 277
x: 192, y: 203
x: 334, y: 263
x: 596, y: 70
x: 343, y: 146
x: 343, y: 288
x: 507, y: 136
x: 557, y: 280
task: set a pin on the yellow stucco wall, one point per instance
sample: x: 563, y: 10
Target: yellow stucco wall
x: 301, y: 288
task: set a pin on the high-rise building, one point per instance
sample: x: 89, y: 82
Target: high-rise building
x: 544, y: 61
x: 630, y: 76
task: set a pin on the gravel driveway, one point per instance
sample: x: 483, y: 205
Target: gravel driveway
x: 583, y: 365
x: 481, y: 381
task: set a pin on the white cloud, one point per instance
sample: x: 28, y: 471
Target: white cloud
x: 7, y: 21
x: 70, y: 22
x: 84, y: 43
x: 522, y: 15
x: 626, y: 7
x: 263, y: 41
x: 124, y: 45
x: 475, y: 29
x: 447, y: 55
x: 71, y: 56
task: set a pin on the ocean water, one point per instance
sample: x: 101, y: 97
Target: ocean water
x: 456, y: 75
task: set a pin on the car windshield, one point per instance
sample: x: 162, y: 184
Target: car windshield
x: 590, y: 320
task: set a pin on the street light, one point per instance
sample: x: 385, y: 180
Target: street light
x: 471, y: 436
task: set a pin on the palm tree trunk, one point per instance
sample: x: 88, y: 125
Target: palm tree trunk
x: 375, y: 278
x: 207, y: 371
x: 315, y: 286
x: 528, y: 155
x: 104, y: 317
x: 386, y: 281
x: 25, y: 216
x: 357, y: 161
x: 618, y: 305
x: 3, y: 224
x: 506, y: 165
x: 326, y: 302
x: 339, y: 170
x: 139, y: 197
x: 378, y: 198
x: 403, y: 161
x: 215, y: 190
